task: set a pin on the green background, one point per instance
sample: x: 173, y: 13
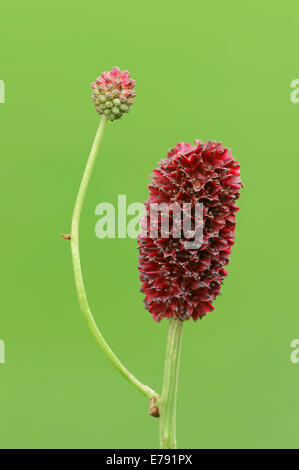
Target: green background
x: 204, y: 69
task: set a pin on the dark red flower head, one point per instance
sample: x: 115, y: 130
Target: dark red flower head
x: 178, y: 281
x: 113, y: 93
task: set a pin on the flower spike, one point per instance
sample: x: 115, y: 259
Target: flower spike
x: 178, y: 282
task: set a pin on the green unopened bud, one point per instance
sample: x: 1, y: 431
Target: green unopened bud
x: 124, y: 108
x: 116, y: 101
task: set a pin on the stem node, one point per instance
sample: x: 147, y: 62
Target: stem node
x: 154, y: 408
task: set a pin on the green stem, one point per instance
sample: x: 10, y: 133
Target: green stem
x: 170, y: 382
x: 78, y: 272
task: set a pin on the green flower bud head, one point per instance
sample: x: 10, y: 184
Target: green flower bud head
x: 113, y: 93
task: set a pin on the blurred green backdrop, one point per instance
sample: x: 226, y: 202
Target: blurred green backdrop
x: 208, y: 69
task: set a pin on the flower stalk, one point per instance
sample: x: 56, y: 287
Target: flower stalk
x: 170, y: 383
x: 149, y: 393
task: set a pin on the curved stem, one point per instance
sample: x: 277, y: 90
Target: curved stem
x: 78, y: 272
x: 170, y: 382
